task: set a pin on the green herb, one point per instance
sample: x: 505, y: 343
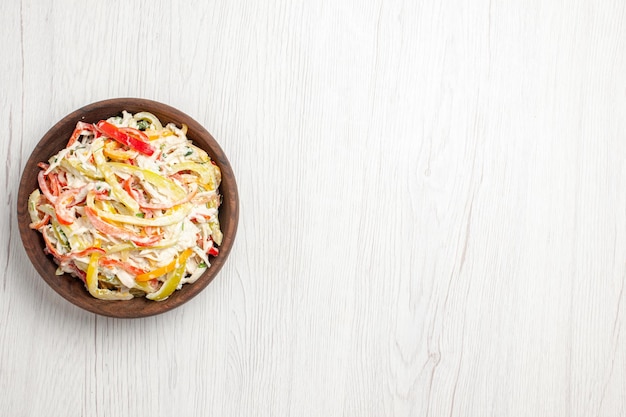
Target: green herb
x: 189, y: 152
x: 63, y: 237
x: 142, y: 125
x: 142, y: 215
x: 202, y: 265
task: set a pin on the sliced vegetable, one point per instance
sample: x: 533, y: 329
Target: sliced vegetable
x: 174, y: 216
x: 43, y: 186
x: 114, y: 263
x: 80, y: 128
x: 50, y: 247
x: 156, y: 273
x: 162, y: 183
x: 207, y: 173
x: 114, y: 150
x: 133, y: 138
x: 169, y: 286
x: 41, y: 223
x: 213, y: 251
x: 143, y: 125
x: 33, y: 203
x: 89, y: 251
x: 118, y: 232
x: 65, y: 216
x: 110, y: 178
x: 145, y: 116
x: 92, y: 283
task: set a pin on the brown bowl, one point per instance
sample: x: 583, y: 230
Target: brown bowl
x: 71, y: 288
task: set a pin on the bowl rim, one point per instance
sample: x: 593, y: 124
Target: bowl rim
x: 71, y: 288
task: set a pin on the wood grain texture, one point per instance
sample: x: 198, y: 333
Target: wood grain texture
x: 432, y: 223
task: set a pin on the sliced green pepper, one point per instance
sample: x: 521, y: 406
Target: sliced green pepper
x: 174, y: 277
x: 169, y: 286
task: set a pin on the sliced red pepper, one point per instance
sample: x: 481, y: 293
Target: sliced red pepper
x: 133, y: 138
x: 118, y: 232
x: 70, y: 256
x: 80, y: 127
x: 208, y: 247
x: 108, y: 262
x: 128, y: 187
x: 62, y: 179
x: 50, y: 248
x: 136, y: 133
x: 102, y: 194
x: 43, y: 185
x: 55, y: 185
x: 41, y: 223
x: 65, y: 216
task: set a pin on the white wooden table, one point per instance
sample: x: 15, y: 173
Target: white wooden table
x: 433, y: 208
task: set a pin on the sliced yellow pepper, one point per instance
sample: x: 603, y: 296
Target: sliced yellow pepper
x: 79, y: 170
x: 108, y: 207
x: 92, y: 271
x: 113, y: 150
x: 216, y: 232
x: 151, y: 118
x: 145, y: 287
x: 33, y: 200
x: 180, y: 260
x: 173, y: 216
x: 156, y: 134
